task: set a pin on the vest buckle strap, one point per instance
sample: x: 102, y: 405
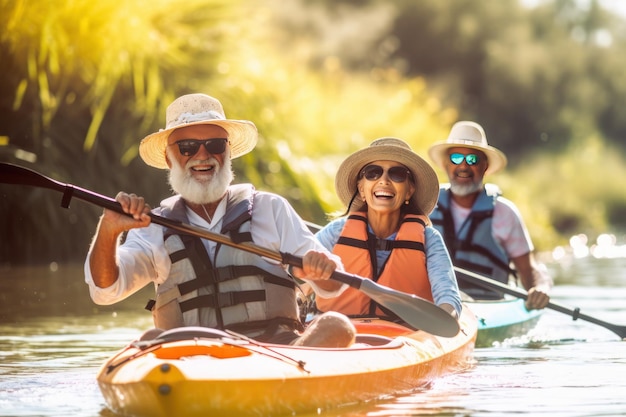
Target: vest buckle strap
x: 225, y: 299
x: 225, y: 273
x: 384, y: 244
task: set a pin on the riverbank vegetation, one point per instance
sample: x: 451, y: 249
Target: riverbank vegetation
x: 83, y: 82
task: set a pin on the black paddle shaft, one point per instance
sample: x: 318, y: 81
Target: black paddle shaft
x: 490, y: 284
x: 575, y: 313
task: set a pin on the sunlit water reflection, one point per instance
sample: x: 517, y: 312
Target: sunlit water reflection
x: 48, y: 362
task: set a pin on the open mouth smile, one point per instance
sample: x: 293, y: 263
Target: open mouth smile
x: 385, y: 195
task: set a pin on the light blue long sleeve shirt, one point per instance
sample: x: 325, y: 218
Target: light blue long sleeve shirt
x: 438, y: 264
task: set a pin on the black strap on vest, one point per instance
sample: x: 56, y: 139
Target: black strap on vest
x: 453, y: 244
x: 202, y: 265
x: 227, y: 273
x: 222, y: 299
x: 487, y: 253
x: 466, y: 245
x: 380, y: 244
x: 373, y: 244
x: 238, y: 213
x: 447, y: 223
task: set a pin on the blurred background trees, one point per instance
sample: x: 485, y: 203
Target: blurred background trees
x: 83, y: 82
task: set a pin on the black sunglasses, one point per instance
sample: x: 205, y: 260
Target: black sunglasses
x: 471, y: 159
x: 396, y: 174
x: 190, y: 147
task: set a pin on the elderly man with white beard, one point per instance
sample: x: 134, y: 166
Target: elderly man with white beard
x: 199, y: 282
x: 483, y: 231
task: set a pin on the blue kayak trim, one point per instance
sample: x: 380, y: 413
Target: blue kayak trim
x: 502, y: 319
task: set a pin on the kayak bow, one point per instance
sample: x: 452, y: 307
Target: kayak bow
x: 191, y: 372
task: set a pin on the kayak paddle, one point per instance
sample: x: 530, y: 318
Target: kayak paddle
x: 506, y: 289
x: 417, y: 312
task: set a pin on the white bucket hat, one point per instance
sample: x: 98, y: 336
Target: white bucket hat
x: 467, y: 135
x: 197, y: 109
x: 389, y: 149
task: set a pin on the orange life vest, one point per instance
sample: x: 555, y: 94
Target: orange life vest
x: 405, y: 269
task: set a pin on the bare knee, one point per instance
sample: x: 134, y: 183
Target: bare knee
x: 331, y: 329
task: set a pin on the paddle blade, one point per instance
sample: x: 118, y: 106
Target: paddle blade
x: 416, y: 311
x: 15, y: 174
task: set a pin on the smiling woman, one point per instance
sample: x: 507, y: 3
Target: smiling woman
x: 385, y: 235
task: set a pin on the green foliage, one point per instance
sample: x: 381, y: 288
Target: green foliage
x: 544, y: 82
x: 572, y: 192
x: 532, y: 77
x: 81, y: 54
x: 85, y: 81
x: 310, y: 120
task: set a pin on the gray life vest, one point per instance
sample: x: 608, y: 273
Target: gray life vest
x: 237, y: 290
x: 474, y: 248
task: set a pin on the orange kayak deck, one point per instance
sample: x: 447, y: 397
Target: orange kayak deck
x: 205, y: 372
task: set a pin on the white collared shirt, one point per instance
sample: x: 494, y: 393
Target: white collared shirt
x: 143, y: 259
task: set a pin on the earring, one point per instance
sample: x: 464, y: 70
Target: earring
x: 406, y: 202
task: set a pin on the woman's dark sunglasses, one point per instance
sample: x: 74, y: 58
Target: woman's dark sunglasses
x: 190, y: 147
x: 396, y: 174
x: 457, y: 158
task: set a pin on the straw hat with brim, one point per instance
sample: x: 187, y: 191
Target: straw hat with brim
x: 467, y: 135
x: 389, y: 149
x: 197, y: 109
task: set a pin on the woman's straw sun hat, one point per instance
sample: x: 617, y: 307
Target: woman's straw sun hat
x: 389, y: 149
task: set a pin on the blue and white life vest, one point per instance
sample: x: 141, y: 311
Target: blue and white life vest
x: 474, y: 248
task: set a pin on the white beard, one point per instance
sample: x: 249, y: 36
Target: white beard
x: 467, y: 189
x: 201, y: 192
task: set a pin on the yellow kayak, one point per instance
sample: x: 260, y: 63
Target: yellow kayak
x: 194, y: 371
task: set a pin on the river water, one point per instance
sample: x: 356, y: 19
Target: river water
x: 53, y: 340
